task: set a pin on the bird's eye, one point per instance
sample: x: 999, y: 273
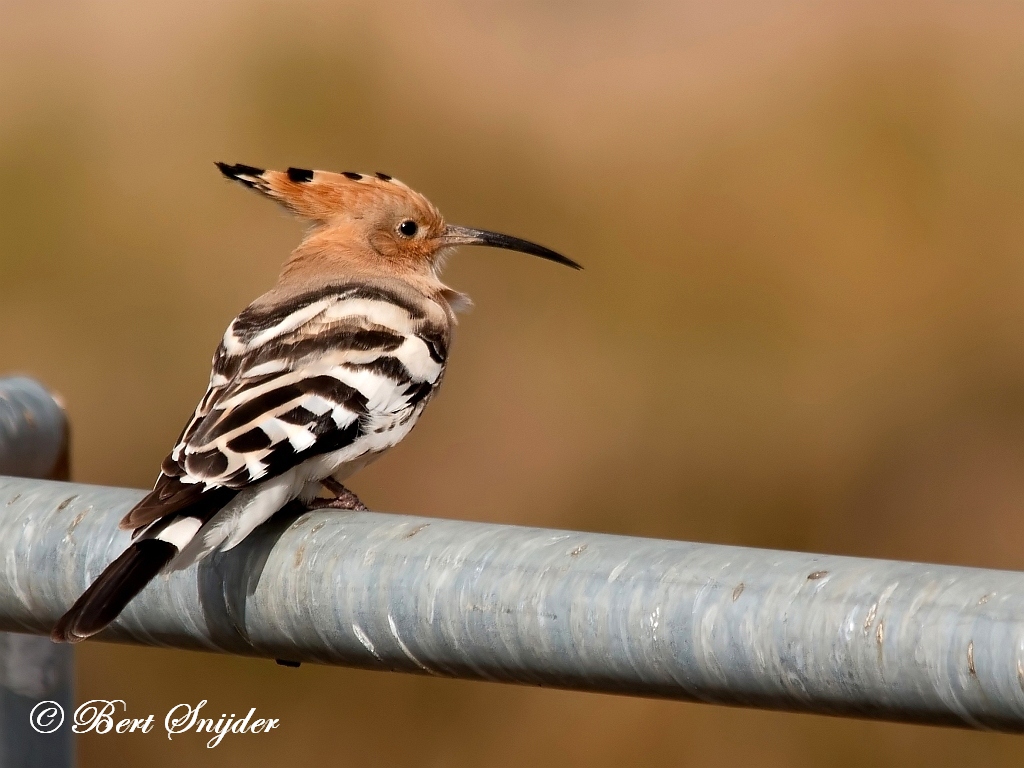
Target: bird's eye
x: 408, y: 228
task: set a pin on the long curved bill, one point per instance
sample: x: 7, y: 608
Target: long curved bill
x: 455, y: 235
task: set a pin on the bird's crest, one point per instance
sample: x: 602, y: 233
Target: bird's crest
x: 317, y: 195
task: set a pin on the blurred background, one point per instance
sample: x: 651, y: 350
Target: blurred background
x: 801, y: 323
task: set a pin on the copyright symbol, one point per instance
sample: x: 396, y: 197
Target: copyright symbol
x: 46, y: 717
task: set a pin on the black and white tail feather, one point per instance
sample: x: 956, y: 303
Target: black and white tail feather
x: 311, y: 382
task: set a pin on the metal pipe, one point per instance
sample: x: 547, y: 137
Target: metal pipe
x: 782, y: 630
x: 33, y: 443
x: 33, y: 430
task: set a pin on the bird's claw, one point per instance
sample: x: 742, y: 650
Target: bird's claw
x: 343, y: 498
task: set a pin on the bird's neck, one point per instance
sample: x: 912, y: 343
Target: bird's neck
x: 317, y: 263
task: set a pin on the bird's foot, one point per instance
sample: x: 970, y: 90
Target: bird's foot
x: 343, y: 498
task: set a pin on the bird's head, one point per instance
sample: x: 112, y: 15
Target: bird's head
x: 375, y: 218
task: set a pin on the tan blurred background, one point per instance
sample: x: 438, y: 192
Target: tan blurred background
x: 801, y: 323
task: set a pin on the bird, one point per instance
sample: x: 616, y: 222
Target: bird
x: 311, y: 381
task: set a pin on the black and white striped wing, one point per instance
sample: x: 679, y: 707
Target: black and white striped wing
x: 343, y: 372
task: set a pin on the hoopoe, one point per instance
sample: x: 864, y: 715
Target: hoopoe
x: 311, y: 382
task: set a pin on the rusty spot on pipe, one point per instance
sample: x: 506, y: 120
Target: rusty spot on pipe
x: 737, y: 592
x: 415, y: 530
x: 816, y: 575
x: 74, y: 523
x: 970, y: 659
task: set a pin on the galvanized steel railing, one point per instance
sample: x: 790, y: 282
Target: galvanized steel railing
x: 783, y: 630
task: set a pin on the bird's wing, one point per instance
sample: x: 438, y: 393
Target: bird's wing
x: 334, y: 369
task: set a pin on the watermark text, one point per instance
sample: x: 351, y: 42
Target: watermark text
x: 105, y: 716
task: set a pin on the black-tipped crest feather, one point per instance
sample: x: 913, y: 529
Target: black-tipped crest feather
x: 237, y: 171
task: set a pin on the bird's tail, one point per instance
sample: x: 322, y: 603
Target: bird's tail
x: 122, y: 580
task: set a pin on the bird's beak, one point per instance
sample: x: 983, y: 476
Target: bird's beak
x: 455, y: 235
